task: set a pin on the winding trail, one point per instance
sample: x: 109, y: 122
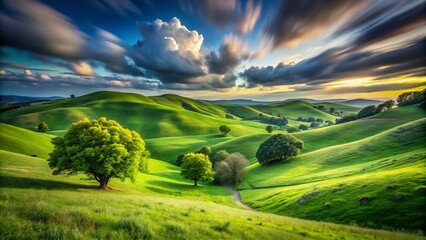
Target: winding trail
x: 237, y: 198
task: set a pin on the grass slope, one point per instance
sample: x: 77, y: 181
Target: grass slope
x: 393, y: 158
x: 294, y: 109
x: 163, y: 116
x: 23, y: 141
x: 30, y: 208
x: 152, y: 117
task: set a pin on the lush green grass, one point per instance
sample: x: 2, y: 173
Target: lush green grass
x: 23, y: 141
x: 396, y: 157
x: 37, y: 205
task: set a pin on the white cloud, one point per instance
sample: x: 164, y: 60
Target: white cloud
x: 82, y: 68
x: 28, y: 72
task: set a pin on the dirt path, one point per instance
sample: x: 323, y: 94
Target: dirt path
x: 237, y: 198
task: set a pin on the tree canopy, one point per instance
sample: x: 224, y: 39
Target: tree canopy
x: 42, y: 127
x: 102, y: 149
x: 197, y: 167
x: 279, y: 147
x: 219, y: 156
x: 269, y: 128
x: 224, y: 130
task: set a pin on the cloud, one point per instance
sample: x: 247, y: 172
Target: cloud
x: 28, y: 72
x: 122, y: 7
x: 37, y: 28
x: 296, y: 21
x: 337, y: 63
x: 375, y: 88
x: 248, y: 20
x: 82, y: 68
x: 230, y: 54
x: 169, y: 51
x: 383, y: 20
x: 219, y: 12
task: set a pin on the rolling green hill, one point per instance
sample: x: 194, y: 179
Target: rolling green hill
x: 153, y: 117
x: 15, y: 139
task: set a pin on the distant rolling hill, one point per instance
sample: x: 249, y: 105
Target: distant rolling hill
x: 360, y: 102
x: 25, y: 99
x: 160, y: 116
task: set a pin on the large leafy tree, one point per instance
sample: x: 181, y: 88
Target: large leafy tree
x: 279, y: 147
x: 102, y: 149
x: 197, y: 167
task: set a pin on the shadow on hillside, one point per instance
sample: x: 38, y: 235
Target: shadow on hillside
x: 23, y: 182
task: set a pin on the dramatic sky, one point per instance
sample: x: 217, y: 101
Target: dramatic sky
x: 214, y: 49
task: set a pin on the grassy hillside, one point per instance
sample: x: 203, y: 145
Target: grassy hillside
x: 83, y: 212
x: 294, y: 109
x: 153, y: 117
x: 23, y: 141
x: 384, y: 168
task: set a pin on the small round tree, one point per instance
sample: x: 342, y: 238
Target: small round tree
x: 205, y: 150
x: 269, y: 128
x: 219, y: 156
x: 224, y: 130
x: 303, y: 127
x: 197, y: 167
x: 279, y: 147
x: 42, y: 127
x: 102, y: 149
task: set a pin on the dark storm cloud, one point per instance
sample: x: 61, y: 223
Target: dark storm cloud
x: 230, y: 54
x: 296, y: 21
x: 335, y: 64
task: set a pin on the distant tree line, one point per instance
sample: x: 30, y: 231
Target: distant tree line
x: 404, y: 99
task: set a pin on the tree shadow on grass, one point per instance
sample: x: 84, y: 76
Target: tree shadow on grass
x: 172, y: 188
x: 24, y: 182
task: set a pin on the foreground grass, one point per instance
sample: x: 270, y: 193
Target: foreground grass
x: 37, y: 205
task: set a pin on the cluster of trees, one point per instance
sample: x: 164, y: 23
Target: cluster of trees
x: 279, y: 120
x: 310, y: 119
x: 409, y: 98
x: 279, y: 147
x: 220, y: 166
x: 101, y: 149
x: 331, y: 110
x: 368, y: 111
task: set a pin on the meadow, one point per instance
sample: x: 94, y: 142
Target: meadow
x: 381, y: 157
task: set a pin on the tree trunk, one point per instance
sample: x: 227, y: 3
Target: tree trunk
x: 195, y: 182
x: 104, y: 183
